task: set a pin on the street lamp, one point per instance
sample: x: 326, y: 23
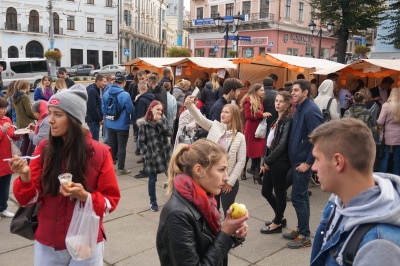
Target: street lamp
x: 313, y: 26
x: 237, y: 20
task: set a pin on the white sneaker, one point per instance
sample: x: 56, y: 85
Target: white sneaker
x: 7, y: 214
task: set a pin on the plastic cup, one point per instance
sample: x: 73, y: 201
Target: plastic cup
x: 65, y: 180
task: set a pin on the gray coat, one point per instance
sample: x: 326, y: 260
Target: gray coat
x: 43, y: 132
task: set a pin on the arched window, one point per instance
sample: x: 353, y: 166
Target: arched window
x: 34, y: 49
x: 11, y: 19
x: 33, y: 21
x: 56, y: 23
x: 13, y: 52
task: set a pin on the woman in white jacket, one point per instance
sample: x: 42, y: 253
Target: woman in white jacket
x: 325, y: 92
x: 227, y: 133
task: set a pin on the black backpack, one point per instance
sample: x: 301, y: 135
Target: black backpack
x: 113, y: 111
x: 351, y: 248
x: 326, y: 115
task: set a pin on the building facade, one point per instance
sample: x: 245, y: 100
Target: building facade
x: 273, y: 26
x: 172, y: 25
x: 85, y: 32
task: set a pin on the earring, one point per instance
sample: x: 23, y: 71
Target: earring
x: 200, y: 176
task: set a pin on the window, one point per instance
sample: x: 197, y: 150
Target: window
x: 312, y: 13
x: 264, y: 9
x: 310, y: 51
x: 292, y: 51
x: 127, y: 17
x: 11, y: 19
x: 301, y: 12
x: 33, y: 21
x: 109, y: 26
x: 21, y: 67
x: 248, y: 52
x: 229, y: 10
x: 199, y: 52
x: 13, y: 52
x: 76, y: 56
x: 246, y: 7
x: 109, y: 3
x: 262, y: 50
x: 90, y: 2
x: 199, y: 12
x: 56, y: 23
x: 288, y: 4
x: 70, y: 23
x: 211, y: 53
x: 214, y: 11
x: 90, y: 24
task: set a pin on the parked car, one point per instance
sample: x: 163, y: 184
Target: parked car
x: 80, y: 70
x: 109, y: 69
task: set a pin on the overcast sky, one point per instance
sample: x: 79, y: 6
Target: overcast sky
x: 186, y: 3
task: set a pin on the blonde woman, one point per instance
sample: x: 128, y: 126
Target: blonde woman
x: 252, y: 105
x: 179, y: 92
x: 227, y: 133
x: 60, y: 84
x: 212, y: 92
x: 389, y: 120
x: 45, y: 91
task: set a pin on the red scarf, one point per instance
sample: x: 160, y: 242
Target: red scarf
x: 204, y: 202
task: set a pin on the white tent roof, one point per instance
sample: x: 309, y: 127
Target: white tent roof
x: 306, y: 62
x: 364, y: 64
x: 158, y: 62
x: 206, y: 62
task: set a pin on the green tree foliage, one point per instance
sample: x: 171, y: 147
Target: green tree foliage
x: 393, y: 19
x: 351, y: 17
x: 179, y: 52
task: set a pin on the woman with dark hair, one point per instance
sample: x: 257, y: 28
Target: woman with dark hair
x: 69, y: 149
x: 45, y: 91
x: 10, y: 108
x: 154, y: 146
x: 189, y: 232
x: 276, y: 164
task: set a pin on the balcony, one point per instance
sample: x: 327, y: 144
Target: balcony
x: 58, y: 31
x: 251, y: 21
x: 35, y: 28
x: 12, y: 26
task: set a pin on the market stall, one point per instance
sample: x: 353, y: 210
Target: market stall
x: 153, y: 64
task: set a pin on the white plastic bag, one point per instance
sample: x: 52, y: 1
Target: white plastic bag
x: 261, y: 131
x: 83, y: 231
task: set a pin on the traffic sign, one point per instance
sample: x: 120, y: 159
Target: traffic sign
x: 230, y: 37
x: 216, y: 49
x: 271, y: 43
x: 245, y: 38
x: 127, y: 52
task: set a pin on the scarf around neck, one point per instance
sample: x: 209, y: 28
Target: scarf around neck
x: 204, y: 202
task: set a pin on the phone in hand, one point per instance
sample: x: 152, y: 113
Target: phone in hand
x: 195, y: 92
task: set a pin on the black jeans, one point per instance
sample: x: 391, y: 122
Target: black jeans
x: 117, y: 140
x: 227, y: 199
x: 255, y: 163
x: 275, y: 179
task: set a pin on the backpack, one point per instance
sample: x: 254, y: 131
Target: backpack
x: 112, y: 107
x: 351, y: 248
x: 367, y: 118
x: 326, y: 115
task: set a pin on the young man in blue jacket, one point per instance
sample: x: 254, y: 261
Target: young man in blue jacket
x: 94, y: 115
x: 344, y: 153
x: 118, y: 130
x: 305, y: 119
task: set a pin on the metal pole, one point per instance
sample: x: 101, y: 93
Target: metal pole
x: 51, y: 39
x: 226, y: 40
x: 320, y: 42
x: 119, y: 35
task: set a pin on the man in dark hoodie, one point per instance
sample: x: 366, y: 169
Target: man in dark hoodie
x: 94, y: 115
x: 160, y: 93
x: 167, y: 74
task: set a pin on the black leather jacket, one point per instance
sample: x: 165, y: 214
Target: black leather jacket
x: 184, y: 237
x: 279, y: 150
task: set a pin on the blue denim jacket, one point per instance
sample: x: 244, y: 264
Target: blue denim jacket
x: 331, y: 252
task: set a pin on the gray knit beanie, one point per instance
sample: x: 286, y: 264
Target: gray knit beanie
x: 72, y: 100
x: 36, y: 105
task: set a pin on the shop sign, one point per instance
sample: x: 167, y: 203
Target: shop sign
x: 254, y: 41
x: 209, y: 43
x: 299, y: 39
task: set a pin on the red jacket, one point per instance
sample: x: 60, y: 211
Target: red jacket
x: 55, y: 213
x: 255, y: 147
x: 5, y: 146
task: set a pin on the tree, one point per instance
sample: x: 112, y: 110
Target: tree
x: 393, y: 18
x: 179, y: 52
x: 351, y: 17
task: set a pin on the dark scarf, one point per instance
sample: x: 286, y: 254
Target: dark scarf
x: 204, y: 202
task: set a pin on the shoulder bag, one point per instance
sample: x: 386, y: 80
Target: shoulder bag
x: 25, y: 221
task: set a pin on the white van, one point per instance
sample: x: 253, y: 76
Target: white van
x: 30, y: 69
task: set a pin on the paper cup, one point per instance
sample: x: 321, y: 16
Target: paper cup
x: 65, y: 179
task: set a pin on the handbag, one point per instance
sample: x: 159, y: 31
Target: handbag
x: 25, y: 222
x: 14, y: 148
x: 184, y: 137
x: 261, y: 131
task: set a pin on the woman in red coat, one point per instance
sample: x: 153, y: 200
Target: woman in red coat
x: 6, y: 130
x: 69, y: 149
x: 252, y: 105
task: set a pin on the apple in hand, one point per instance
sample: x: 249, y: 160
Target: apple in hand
x: 238, y: 210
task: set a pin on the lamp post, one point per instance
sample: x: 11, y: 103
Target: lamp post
x: 313, y: 26
x: 237, y: 20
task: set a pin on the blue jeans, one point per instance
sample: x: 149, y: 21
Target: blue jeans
x: 300, y: 199
x: 385, y: 160
x: 94, y: 128
x: 4, y: 191
x: 117, y: 140
x: 152, y: 188
x: 105, y: 133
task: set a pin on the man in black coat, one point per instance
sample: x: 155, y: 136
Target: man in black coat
x: 166, y: 77
x: 94, y: 114
x: 269, y: 101
x: 381, y: 93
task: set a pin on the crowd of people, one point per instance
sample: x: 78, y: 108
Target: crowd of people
x: 168, y: 123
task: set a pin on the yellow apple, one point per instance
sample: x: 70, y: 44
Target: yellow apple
x: 238, y: 210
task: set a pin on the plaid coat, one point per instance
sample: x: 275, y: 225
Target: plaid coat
x: 154, y: 145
